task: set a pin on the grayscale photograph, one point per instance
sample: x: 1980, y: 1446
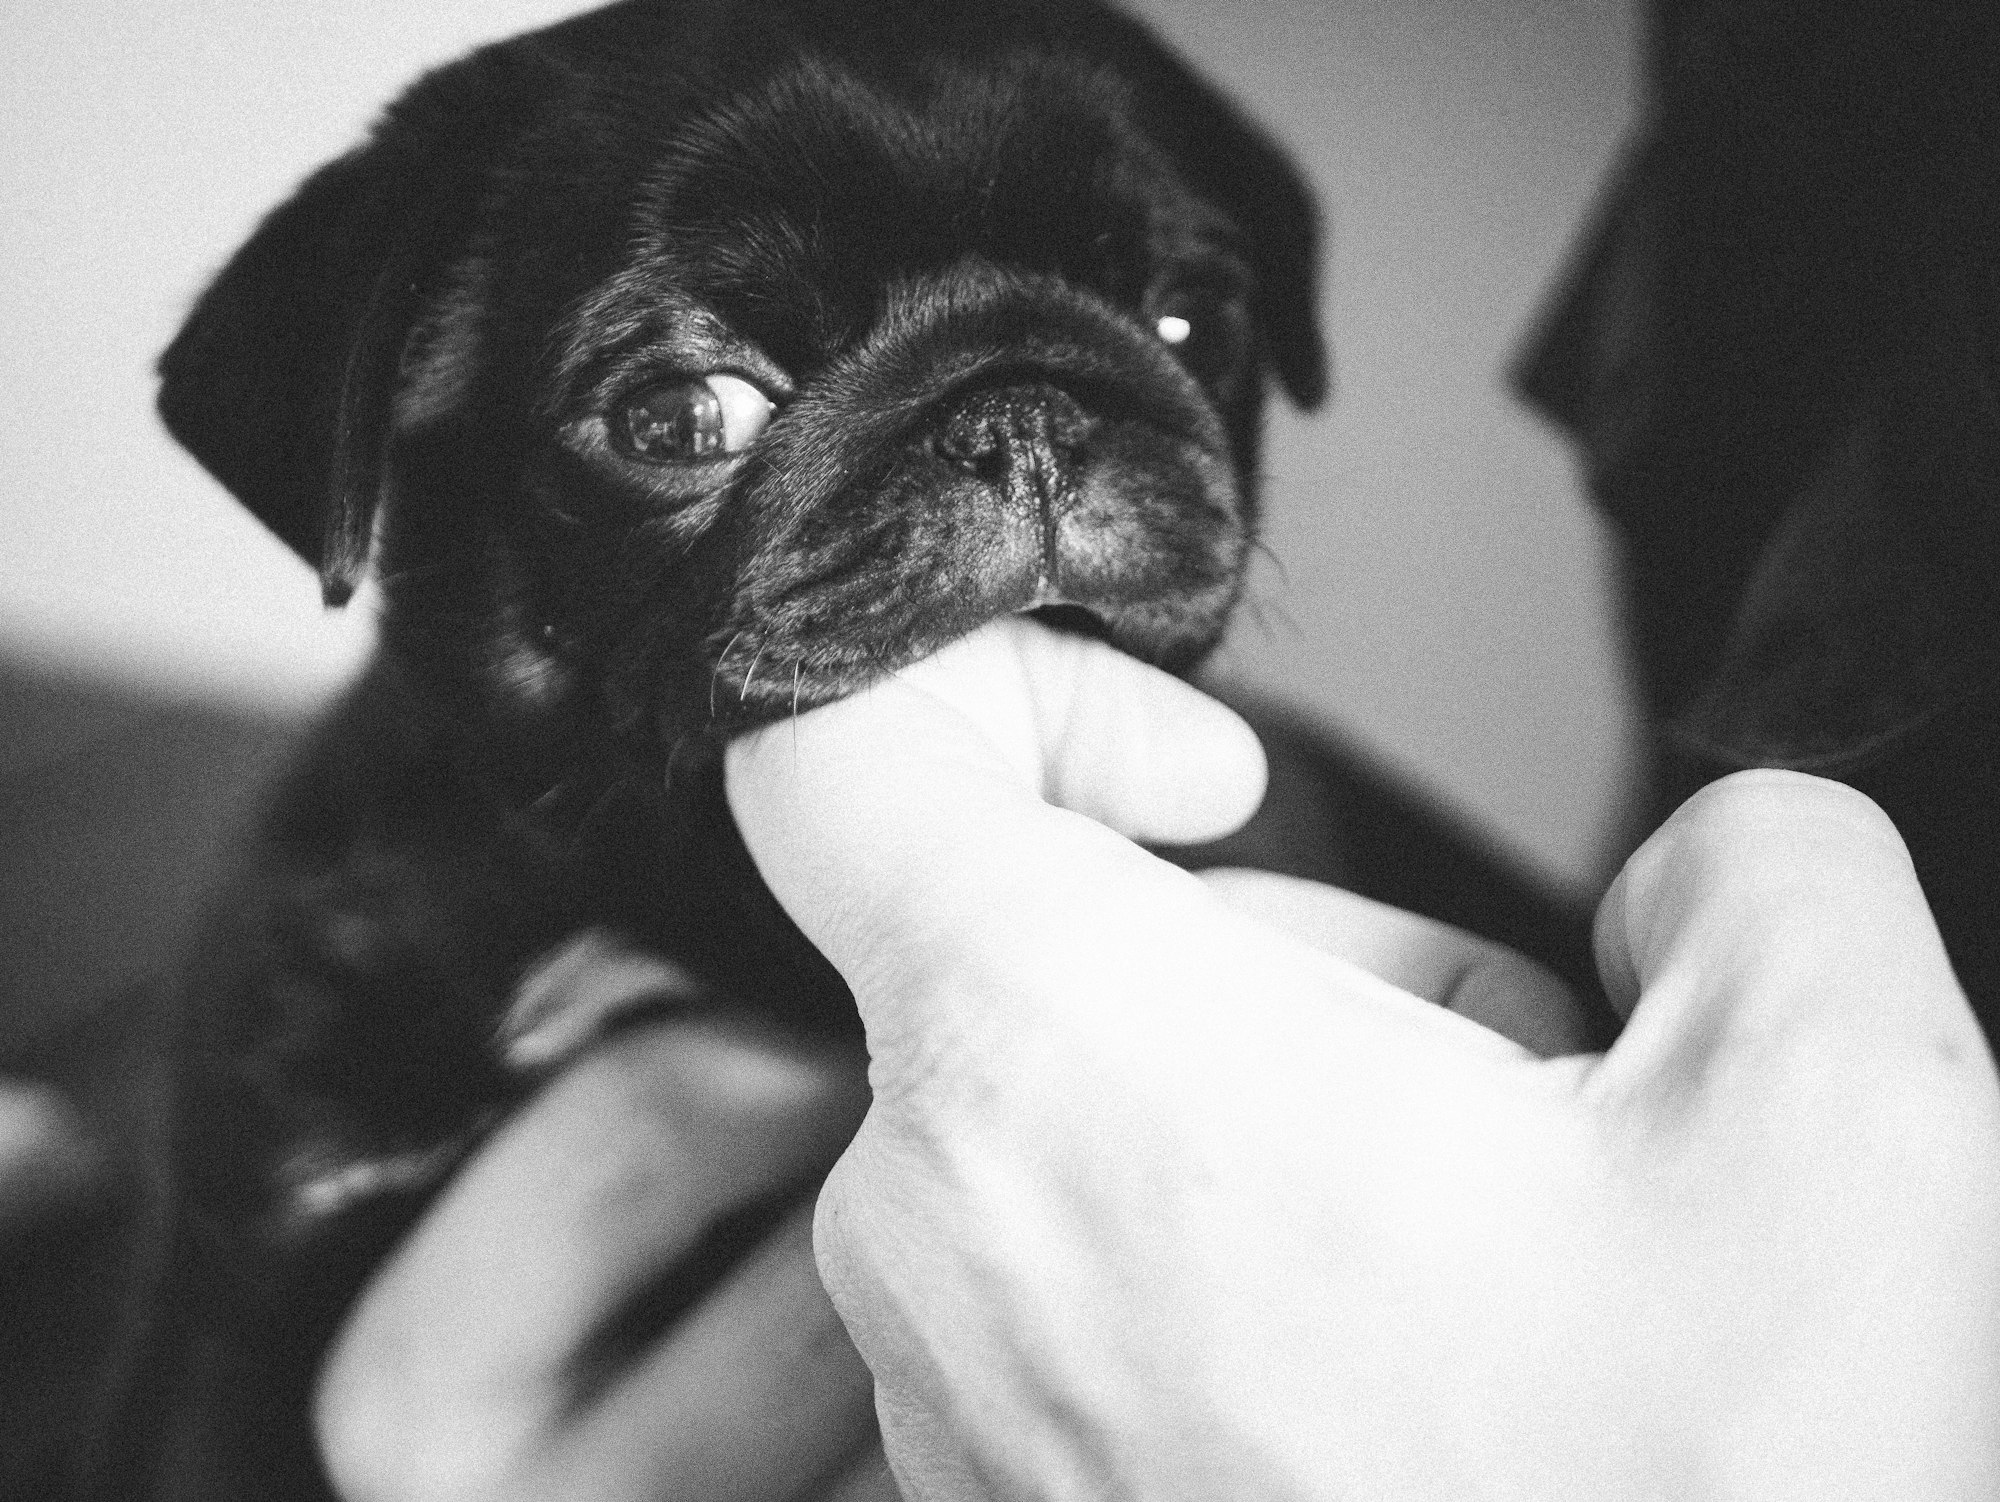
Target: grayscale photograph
x: 1000, y: 751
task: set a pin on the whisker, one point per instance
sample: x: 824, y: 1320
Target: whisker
x: 1258, y: 544
x: 797, y: 663
x: 717, y: 673
x: 1260, y: 618
x: 757, y: 657
x: 1273, y: 619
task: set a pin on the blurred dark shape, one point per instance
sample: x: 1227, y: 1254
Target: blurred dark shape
x: 119, y: 809
x: 118, y: 812
x: 1779, y: 356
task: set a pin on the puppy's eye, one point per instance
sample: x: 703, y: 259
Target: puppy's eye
x: 1208, y: 330
x: 678, y: 422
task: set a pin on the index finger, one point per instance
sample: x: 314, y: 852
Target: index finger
x: 1780, y: 912
x: 1478, y: 979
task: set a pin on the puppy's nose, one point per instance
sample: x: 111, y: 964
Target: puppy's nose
x: 1024, y: 437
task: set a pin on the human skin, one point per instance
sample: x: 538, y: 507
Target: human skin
x: 1156, y: 1199
x: 1158, y: 1196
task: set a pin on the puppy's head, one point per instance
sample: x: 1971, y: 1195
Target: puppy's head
x: 687, y: 365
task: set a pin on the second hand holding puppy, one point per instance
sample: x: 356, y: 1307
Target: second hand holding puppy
x: 1155, y: 1199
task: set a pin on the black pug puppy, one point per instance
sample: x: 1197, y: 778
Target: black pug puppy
x: 670, y: 370
x: 667, y: 371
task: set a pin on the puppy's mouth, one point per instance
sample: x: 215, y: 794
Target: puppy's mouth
x: 1077, y: 620
x: 756, y: 680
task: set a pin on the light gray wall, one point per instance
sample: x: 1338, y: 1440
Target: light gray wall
x: 1441, y: 594
x: 1443, y: 589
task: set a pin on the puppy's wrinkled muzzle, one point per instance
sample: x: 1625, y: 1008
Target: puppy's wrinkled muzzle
x: 1020, y: 437
x: 1024, y: 442
x: 1086, y: 498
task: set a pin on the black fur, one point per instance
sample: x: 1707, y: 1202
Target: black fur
x: 942, y: 238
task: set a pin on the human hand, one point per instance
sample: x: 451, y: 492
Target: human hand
x: 463, y: 1371
x: 474, y: 1366
x: 1155, y: 1198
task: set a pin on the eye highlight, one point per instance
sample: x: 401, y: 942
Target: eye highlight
x: 1207, y: 326
x: 685, y: 422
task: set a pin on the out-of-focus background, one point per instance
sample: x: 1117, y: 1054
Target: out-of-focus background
x: 1441, y: 593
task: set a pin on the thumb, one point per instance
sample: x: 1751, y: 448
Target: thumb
x: 1779, y: 909
x: 1100, y: 733
x: 917, y: 808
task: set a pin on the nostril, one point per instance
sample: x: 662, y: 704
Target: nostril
x: 972, y: 446
x: 1070, y: 424
x: 996, y: 425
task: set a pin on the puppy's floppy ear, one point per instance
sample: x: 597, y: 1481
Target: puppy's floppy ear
x: 1236, y: 166
x: 281, y: 380
x: 1263, y: 191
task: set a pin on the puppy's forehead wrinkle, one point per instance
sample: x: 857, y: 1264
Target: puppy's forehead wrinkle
x: 947, y: 125
x: 641, y: 323
x: 1030, y: 160
x: 790, y: 219
x: 819, y: 486
x: 1017, y: 326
